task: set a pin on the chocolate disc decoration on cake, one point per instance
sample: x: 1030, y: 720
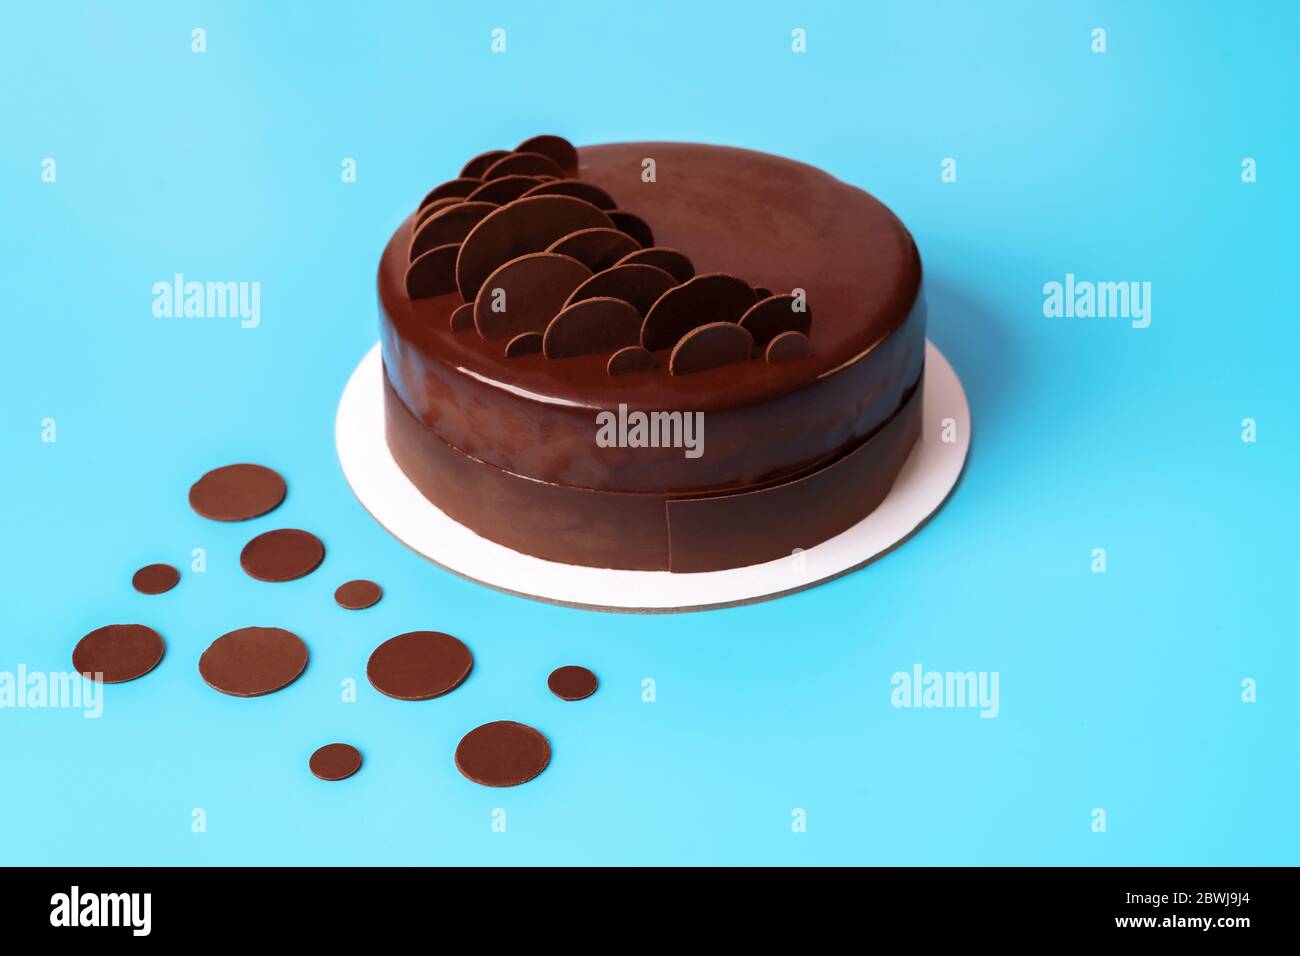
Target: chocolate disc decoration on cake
x: 634, y: 358
x: 559, y: 149
x: 523, y: 164
x: 762, y: 292
x: 424, y: 212
x: 712, y: 297
x: 504, y: 190
x: 358, y: 595
x: 453, y: 188
x: 477, y: 166
x: 516, y: 229
x: 462, y: 320
x: 253, y: 661
x: 572, y: 682
x: 597, y: 248
x: 155, y: 579
x: 282, y: 555
x: 634, y: 226
x: 419, y: 665
x: 335, y: 761
x: 767, y: 319
x: 237, y: 493
x: 525, y: 343
x: 502, y: 754
x: 710, y: 346
x: 637, y: 284
x: 578, y: 189
x: 433, y: 272
x: 670, y: 260
x: 117, y: 653
x: 525, y: 294
x: 787, y: 346
x: 449, y: 225
x: 590, y: 327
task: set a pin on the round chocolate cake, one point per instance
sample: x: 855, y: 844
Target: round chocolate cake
x: 652, y: 356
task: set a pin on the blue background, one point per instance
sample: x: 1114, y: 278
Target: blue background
x: 1118, y: 690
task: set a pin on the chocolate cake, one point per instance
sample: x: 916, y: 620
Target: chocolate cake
x: 651, y: 356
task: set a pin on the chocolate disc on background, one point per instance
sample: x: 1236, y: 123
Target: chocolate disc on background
x: 419, y: 665
x: 358, y: 595
x: 452, y: 189
x: 502, y: 754
x: 572, y: 682
x: 253, y: 661
x: 529, y: 290
x: 559, y: 149
x: 237, y: 493
x: 120, y: 652
x: 477, y: 166
x: 282, y: 555
x: 597, y: 248
x: 335, y: 761
x: 523, y: 164
x: 155, y: 578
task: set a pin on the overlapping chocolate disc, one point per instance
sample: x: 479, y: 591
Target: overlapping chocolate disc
x: 253, y: 661
x: 597, y: 248
x: 577, y: 188
x: 448, y: 226
x: 477, y: 166
x: 712, y: 297
x: 768, y: 318
x: 559, y: 149
x: 787, y: 346
x: 155, y: 578
x: 237, y: 492
x: 335, y: 761
x: 419, y: 665
x: 710, y: 346
x: 525, y: 294
x: 282, y: 555
x: 502, y: 754
x: 433, y: 272
x: 590, y: 327
x: 118, y: 652
x: 572, y: 682
x: 638, y: 284
x: 670, y: 260
x: 358, y: 595
x: 504, y: 190
x: 516, y: 229
x: 633, y: 225
x: 525, y: 343
x: 452, y: 189
x: 523, y: 164
x: 634, y: 358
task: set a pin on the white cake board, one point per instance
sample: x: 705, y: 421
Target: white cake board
x: 927, y: 478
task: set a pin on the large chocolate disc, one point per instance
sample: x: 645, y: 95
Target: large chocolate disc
x: 559, y: 149
x: 670, y: 260
x: 710, y: 346
x: 253, y: 661
x: 282, y: 555
x: 578, y: 189
x: 597, y: 248
x: 335, y: 761
x: 525, y: 294
x: 155, y: 579
x: 516, y: 229
x: 502, y: 754
x: 419, y: 665
x: 712, y: 297
x: 449, y: 225
x: 768, y: 318
x: 637, y: 284
x: 590, y: 327
x: 572, y: 682
x: 237, y: 492
x: 523, y: 164
x: 118, y: 652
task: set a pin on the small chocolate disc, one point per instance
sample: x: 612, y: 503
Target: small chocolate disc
x: 634, y: 358
x: 462, y: 320
x: 787, y: 346
x: 155, y: 578
x: 335, y: 761
x: 710, y: 346
x: 118, y: 652
x: 237, y: 493
x: 419, y: 665
x: 358, y: 595
x: 282, y: 555
x: 502, y: 754
x: 253, y: 661
x: 525, y: 343
x: 572, y: 682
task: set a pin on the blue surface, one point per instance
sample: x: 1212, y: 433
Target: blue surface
x: 1119, y: 691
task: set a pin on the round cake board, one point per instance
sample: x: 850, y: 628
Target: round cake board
x: 928, y: 477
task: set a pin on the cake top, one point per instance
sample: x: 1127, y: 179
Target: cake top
x: 665, y: 270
